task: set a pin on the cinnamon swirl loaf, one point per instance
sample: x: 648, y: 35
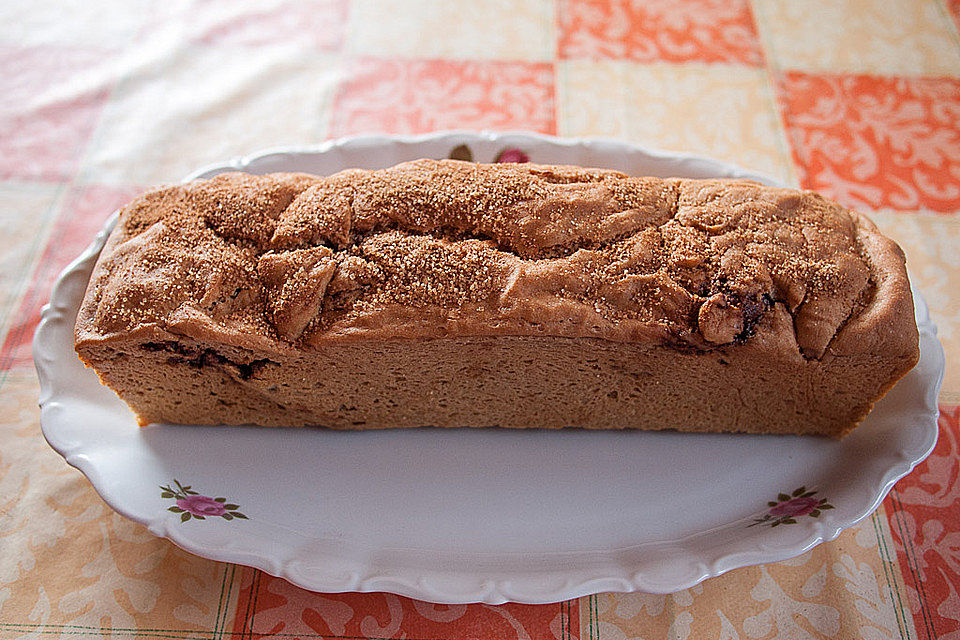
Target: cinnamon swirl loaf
x: 453, y: 294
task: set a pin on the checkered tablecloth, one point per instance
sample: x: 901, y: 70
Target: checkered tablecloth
x: 100, y: 99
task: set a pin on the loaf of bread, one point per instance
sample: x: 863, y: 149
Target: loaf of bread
x: 453, y: 294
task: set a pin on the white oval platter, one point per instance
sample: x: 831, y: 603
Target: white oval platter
x: 477, y: 515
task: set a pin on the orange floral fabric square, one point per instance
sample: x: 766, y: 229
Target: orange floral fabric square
x: 876, y: 142
x: 659, y: 30
x: 272, y: 607
x: 924, y: 513
x: 417, y: 96
x: 953, y: 6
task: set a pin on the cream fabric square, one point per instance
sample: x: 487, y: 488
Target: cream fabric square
x: 31, y: 205
x: 930, y: 241
x: 723, y: 111
x: 490, y: 30
x: 203, y: 105
x: 110, y: 573
x: 905, y: 37
x: 836, y: 590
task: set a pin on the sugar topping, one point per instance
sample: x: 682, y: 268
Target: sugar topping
x: 430, y: 248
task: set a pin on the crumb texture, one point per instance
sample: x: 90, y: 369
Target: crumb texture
x: 431, y: 249
x: 503, y: 381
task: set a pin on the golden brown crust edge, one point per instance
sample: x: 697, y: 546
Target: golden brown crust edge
x: 887, y: 325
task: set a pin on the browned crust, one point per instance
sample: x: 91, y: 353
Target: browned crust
x: 434, y: 249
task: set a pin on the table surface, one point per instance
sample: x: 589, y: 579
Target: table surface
x: 858, y: 99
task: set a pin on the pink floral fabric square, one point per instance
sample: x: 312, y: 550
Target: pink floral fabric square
x: 417, y: 96
x: 49, y: 110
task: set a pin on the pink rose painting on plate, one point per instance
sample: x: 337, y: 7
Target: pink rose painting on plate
x: 190, y: 504
x: 505, y: 155
x: 787, y: 508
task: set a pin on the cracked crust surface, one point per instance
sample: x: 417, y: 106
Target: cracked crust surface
x: 426, y: 250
